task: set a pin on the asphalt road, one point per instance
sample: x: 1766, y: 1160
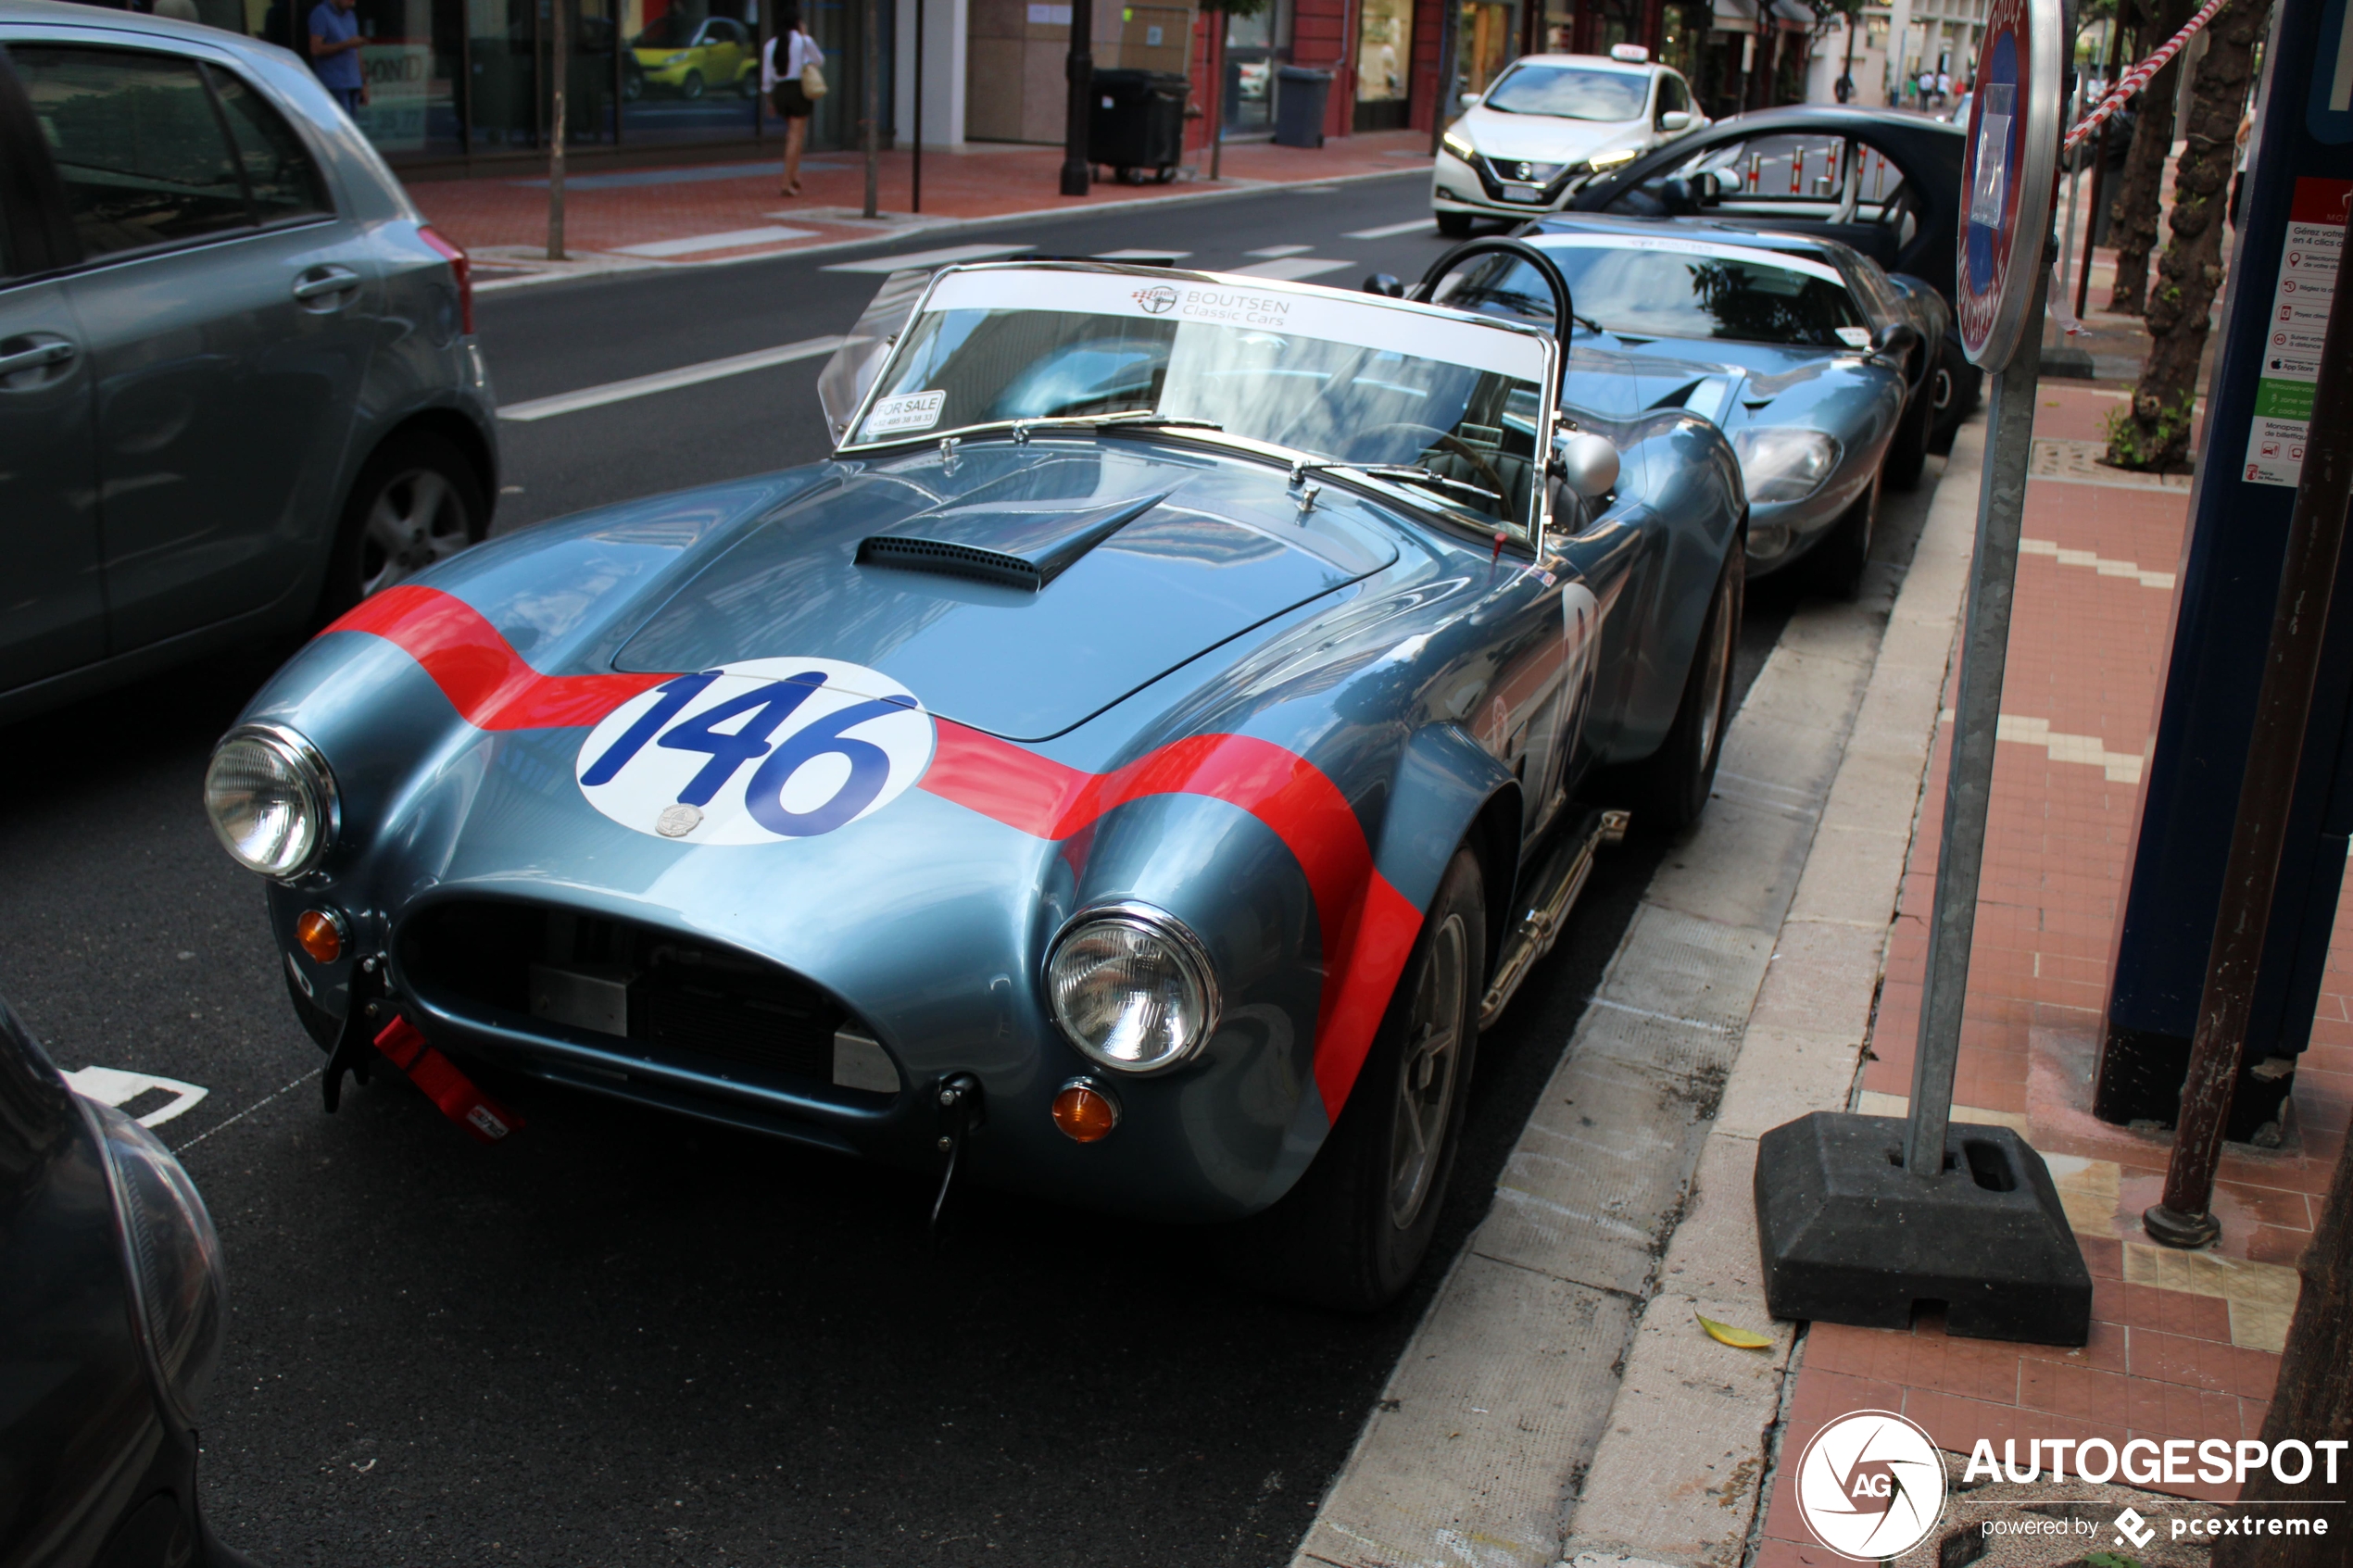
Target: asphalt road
x: 623, y: 1339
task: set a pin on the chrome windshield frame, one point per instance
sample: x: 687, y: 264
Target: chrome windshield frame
x: 1547, y: 389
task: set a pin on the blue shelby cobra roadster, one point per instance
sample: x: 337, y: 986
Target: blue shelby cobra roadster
x: 1132, y: 769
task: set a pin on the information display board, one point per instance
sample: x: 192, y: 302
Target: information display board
x: 2009, y: 176
x: 2300, y: 297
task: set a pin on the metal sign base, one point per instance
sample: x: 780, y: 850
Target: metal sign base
x: 1849, y: 1236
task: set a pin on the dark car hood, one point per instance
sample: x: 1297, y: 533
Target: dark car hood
x: 1143, y: 560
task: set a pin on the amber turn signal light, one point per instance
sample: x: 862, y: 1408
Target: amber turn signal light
x: 1085, y: 1112
x: 320, y: 933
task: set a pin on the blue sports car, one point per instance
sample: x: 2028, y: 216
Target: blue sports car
x: 1132, y: 769
x: 1814, y: 362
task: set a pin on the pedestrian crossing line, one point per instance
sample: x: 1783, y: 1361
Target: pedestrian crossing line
x: 1289, y: 269
x: 1146, y: 253
x: 1279, y: 250
x: 734, y: 238
x: 666, y: 380
x: 947, y: 257
x: 1390, y: 231
x: 2100, y: 564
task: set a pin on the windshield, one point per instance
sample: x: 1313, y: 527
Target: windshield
x: 671, y: 32
x: 1674, y: 289
x: 1348, y: 380
x: 1571, y: 92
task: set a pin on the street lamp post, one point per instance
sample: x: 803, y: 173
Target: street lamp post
x: 1080, y: 69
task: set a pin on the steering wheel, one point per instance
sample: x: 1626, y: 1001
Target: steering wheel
x: 1456, y: 444
x: 1564, y: 314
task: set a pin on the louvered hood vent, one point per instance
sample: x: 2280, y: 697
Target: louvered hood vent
x: 1014, y: 542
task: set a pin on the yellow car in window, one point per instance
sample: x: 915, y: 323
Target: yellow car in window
x: 688, y: 58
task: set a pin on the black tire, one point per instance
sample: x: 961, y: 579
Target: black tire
x: 417, y: 501
x: 749, y: 83
x: 1842, y: 560
x: 1944, y: 410
x: 1454, y: 225
x: 1668, y: 790
x: 692, y: 86
x: 1351, y: 1235
x: 1907, y: 454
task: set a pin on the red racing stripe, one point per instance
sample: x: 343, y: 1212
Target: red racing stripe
x: 1368, y: 925
x: 485, y: 680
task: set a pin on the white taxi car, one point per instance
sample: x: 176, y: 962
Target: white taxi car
x: 1548, y: 121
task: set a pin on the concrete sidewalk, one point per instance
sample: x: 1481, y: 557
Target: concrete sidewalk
x: 695, y: 214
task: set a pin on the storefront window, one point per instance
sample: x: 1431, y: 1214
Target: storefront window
x: 1250, y: 73
x: 1384, y: 64
x: 691, y: 71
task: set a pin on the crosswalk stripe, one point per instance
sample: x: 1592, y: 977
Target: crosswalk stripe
x: 1279, y: 250
x: 733, y: 240
x: 664, y: 380
x: 1390, y: 231
x: 948, y: 257
x: 1291, y: 268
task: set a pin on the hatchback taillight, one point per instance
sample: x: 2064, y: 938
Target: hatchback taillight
x: 461, y: 268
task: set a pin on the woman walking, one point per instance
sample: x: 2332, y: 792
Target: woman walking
x: 792, y: 59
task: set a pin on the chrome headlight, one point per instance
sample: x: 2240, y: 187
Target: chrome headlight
x: 1132, y: 988
x: 1781, y: 464
x: 174, y: 1253
x: 1459, y: 145
x: 271, y: 800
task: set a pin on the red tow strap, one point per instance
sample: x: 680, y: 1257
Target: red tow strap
x: 404, y: 1045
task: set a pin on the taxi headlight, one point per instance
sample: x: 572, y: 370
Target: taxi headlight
x: 1780, y: 464
x: 1132, y: 989
x: 1602, y: 163
x: 271, y: 800
x: 1459, y: 145
x: 175, y: 1256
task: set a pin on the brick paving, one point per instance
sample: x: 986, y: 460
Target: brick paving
x: 2182, y: 1345
x: 503, y: 220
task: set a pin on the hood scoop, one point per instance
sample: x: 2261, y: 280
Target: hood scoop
x: 1012, y: 543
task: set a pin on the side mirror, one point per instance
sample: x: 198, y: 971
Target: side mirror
x: 1469, y: 100
x: 1586, y: 463
x: 1895, y: 339
x: 1674, y: 121
x: 1386, y: 284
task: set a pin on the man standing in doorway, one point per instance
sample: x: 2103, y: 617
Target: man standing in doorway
x: 335, y: 52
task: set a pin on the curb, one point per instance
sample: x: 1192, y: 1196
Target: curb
x: 1557, y: 1400
x: 606, y: 267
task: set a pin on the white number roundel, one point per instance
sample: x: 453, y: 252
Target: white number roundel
x: 757, y: 751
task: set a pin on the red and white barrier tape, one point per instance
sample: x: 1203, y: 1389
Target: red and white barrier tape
x: 2132, y: 80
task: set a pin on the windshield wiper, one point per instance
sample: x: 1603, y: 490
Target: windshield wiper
x: 1404, y: 473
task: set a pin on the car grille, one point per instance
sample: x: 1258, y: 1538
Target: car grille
x: 688, y: 1002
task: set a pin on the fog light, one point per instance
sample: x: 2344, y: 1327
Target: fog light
x: 320, y: 933
x: 1085, y: 1111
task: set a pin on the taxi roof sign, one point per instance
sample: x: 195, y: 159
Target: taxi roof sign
x: 2009, y: 173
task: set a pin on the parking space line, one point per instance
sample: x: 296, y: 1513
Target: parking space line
x: 1290, y: 269
x: 239, y: 1116
x: 1390, y: 231
x: 665, y: 380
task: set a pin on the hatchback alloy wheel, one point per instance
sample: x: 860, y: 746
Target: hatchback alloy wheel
x: 417, y: 519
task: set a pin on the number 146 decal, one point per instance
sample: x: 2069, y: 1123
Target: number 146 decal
x: 754, y: 752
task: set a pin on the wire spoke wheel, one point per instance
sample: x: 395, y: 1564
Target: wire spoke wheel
x: 1427, y: 1078
x: 415, y: 521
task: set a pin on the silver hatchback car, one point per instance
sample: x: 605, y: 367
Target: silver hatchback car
x: 239, y: 384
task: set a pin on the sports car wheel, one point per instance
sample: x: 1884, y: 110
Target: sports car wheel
x: 1845, y: 556
x: 1353, y: 1231
x: 1671, y: 790
x: 416, y: 502
x: 1454, y: 225
x: 1907, y: 454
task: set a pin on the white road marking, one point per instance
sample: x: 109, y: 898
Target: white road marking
x: 2100, y: 564
x: 734, y: 238
x: 944, y: 257
x: 1145, y: 255
x: 111, y: 1085
x: 222, y: 1124
x: 1390, y: 231
x: 665, y: 380
x: 1279, y: 250
x: 1290, y: 269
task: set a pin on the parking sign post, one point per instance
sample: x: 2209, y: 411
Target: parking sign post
x: 1860, y: 1218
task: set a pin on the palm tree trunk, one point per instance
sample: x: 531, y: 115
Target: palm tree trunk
x: 2132, y: 218
x: 2155, y: 431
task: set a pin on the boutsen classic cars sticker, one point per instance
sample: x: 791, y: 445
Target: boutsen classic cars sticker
x: 757, y: 751
x: 895, y: 416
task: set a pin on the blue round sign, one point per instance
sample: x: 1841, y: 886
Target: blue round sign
x: 2009, y: 176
